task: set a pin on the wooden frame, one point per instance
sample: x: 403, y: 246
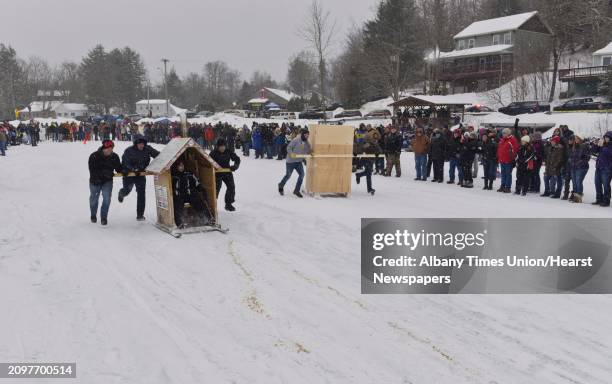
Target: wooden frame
x: 201, y: 165
x: 329, y: 170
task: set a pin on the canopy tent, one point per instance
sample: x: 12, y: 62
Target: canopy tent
x: 432, y: 101
x: 272, y: 106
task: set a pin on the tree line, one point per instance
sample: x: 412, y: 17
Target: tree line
x: 381, y: 57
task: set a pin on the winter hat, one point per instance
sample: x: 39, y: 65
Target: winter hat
x: 525, y: 139
x: 108, y: 144
x: 608, y: 135
x: 537, y: 136
x: 555, y: 139
x: 140, y: 139
x: 221, y: 142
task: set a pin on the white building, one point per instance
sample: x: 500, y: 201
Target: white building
x: 71, y: 110
x: 39, y: 109
x: 158, y: 108
x: 603, y: 57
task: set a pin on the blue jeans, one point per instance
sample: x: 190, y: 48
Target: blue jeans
x: 603, y: 177
x: 3, y: 148
x: 454, y: 163
x: 420, y: 163
x: 553, y: 184
x: 246, y: 148
x: 490, y: 169
x: 290, y: 167
x: 506, y: 175
x: 94, y: 196
x: 269, y: 151
x: 578, y: 178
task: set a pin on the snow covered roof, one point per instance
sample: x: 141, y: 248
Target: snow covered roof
x: 476, y: 51
x: 39, y: 106
x: 607, y: 50
x: 500, y: 24
x: 285, y: 95
x: 423, y: 100
x: 171, y: 153
x: 151, y: 101
x: 258, y: 100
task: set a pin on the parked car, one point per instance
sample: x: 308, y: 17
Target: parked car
x: 348, y: 113
x: 584, y: 104
x: 236, y: 112
x: 380, y: 113
x: 479, y: 109
x: 312, y: 115
x: 522, y: 107
x: 284, y: 116
x: 204, y: 114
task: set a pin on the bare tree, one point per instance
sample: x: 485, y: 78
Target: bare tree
x: 319, y: 31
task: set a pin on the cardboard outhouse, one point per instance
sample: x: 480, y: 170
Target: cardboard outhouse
x: 329, y: 170
x: 203, y: 167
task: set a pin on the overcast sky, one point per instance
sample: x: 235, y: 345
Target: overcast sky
x: 248, y: 34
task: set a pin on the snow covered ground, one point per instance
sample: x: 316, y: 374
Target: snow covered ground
x: 277, y: 299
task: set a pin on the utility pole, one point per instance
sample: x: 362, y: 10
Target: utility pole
x: 165, y: 61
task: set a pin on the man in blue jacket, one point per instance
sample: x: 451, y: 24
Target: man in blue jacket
x: 136, y: 159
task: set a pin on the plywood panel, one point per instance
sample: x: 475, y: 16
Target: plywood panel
x: 330, y: 174
x: 163, y: 200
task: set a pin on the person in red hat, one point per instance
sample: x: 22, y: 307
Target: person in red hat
x: 103, y: 164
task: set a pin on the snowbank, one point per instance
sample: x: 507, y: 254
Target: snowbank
x: 269, y: 302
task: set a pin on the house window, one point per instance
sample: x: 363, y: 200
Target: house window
x: 471, y: 43
x: 508, y: 38
x: 607, y: 60
x: 496, y: 39
x: 461, y: 45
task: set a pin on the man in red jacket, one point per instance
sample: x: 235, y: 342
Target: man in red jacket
x: 506, y: 155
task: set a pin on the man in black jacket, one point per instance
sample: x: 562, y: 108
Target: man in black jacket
x: 136, y: 159
x: 186, y: 188
x: 223, y: 157
x: 102, y: 166
x: 393, y: 150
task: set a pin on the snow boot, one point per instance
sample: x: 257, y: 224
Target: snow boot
x: 104, y: 222
x: 94, y: 219
x: 372, y: 191
x: 565, y: 195
x: 545, y: 194
x: 120, y: 196
x: 577, y: 198
x: 450, y: 182
x: 298, y: 194
x: 507, y: 190
x: 140, y: 218
x: 281, y: 190
x: 357, y: 179
x: 501, y: 189
x: 605, y: 203
x: 230, y: 208
x: 555, y: 196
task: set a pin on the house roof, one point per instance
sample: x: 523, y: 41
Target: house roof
x: 490, y: 49
x: 607, y: 50
x: 171, y: 153
x: 258, y: 100
x: 39, y: 106
x: 500, y: 24
x: 421, y: 101
x: 152, y: 101
x: 285, y: 95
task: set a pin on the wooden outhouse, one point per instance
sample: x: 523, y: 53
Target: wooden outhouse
x: 196, y: 161
x: 329, y: 170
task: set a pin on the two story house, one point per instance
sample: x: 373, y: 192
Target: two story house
x: 585, y: 81
x: 489, y: 53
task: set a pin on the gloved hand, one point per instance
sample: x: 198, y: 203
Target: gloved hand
x: 125, y: 172
x: 233, y: 168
